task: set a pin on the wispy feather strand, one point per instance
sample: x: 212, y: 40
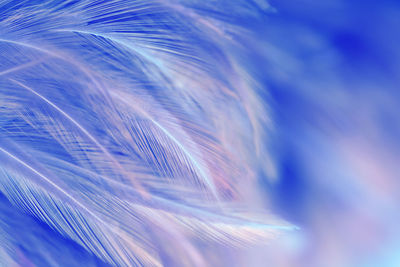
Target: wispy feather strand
x: 130, y: 127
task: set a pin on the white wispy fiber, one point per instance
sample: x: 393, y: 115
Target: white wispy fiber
x: 132, y: 128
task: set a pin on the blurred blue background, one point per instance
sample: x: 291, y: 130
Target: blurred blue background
x: 331, y: 73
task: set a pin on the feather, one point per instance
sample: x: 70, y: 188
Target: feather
x: 124, y: 127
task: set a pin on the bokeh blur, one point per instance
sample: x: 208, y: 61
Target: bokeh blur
x: 331, y: 73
